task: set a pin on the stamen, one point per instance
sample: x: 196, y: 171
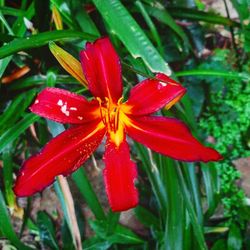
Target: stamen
x: 101, y: 108
x: 110, y: 113
x: 120, y: 101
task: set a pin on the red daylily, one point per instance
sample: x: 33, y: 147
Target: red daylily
x: 107, y: 115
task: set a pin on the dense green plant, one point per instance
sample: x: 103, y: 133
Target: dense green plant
x: 226, y: 119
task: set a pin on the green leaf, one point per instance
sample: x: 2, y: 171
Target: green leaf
x: 86, y: 23
x: 162, y: 15
x: 219, y: 245
x: 96, y: 243
x: 6, y: 227
x: 198, y: 230
x: 225, y: 74
x: 64, y: 9
x: 15, y: 131
x: 130, y: 33
x: 11, y: 11
x: 173, y: 235
x: 18, y: 29
x: 193, y: 186
x: 46, y: 230
x: 146, y: 217
x: 154, y: 177
x: 41, y: 39
x: 234, y: 241
x: 211, y: 180
x: 123, y: 235
x: 85, y: 187
x: 120, y: 234
x: 8, y: 177
x: 37, y: 80
x: 151, y: 25
x: 16, y: 109
x: 196, y: 15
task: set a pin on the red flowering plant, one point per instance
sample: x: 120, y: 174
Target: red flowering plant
x: 107, y: 115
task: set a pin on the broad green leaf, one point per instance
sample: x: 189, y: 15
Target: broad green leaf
x: 15, y: 131
x: 130, y: 33
x: 41, y: 39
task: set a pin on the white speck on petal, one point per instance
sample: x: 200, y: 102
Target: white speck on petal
x: 60, y: 103
x: 163, y: 84
x: 73, y: 108
x: 80, y: 117
x: 36, y: 101
x: 64, y: 110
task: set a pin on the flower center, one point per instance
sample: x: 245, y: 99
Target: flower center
x: 110, y: 113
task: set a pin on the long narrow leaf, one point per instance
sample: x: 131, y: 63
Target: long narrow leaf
x: 201, y: 72
x: 131, y: 34
x: 41, y: 39
x: 15, y: 131
x: 186, y: 196
x: 82, y: 182
x: 6, y: 227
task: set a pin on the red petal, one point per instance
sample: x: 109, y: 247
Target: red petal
x: 170, y: 137
x: 151, y: 95
x: 65, y: 107
x: 119, y: 176
x: 102, y: 69
x: 62, y: 155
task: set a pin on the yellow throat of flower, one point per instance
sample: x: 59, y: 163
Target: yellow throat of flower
x: 111, y: 117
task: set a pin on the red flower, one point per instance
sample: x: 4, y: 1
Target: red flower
x: 107, y: 115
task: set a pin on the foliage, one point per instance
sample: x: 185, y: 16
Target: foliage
x: 226, y: 119
x: 179, y: 202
